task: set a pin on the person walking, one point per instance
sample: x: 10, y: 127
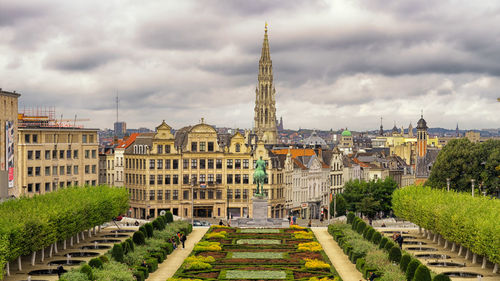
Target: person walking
x: 183, y: 240
x: 310, y: 223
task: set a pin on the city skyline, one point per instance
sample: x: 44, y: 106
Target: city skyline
x: 336, y: 64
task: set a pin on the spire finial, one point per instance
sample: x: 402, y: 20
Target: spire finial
x: 422, y: 113
x: 265, y: 28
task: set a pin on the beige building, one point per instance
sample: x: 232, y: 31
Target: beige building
x: 107, y: 166
x: 8, y: 144
x: 197, y: 172
x: 56, y: 157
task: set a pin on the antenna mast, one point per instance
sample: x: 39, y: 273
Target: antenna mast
x: 116, y: 108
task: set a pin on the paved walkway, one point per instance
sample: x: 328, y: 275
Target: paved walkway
x: 340, y: 261
x: 175, y: 260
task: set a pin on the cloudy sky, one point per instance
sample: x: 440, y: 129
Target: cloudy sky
x: 336, y: 63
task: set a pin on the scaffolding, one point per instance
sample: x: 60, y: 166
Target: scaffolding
x: 45, y: 117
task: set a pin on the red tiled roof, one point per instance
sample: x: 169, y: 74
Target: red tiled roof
x: 128, y: 141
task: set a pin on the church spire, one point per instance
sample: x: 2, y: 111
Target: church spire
x: 265, y: 104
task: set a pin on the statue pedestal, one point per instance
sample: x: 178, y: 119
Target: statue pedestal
x: 259, y: 216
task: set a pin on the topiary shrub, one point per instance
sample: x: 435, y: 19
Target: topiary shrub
x: 365, y: 231
x: 350, y: 217
x: 117, y: 252
x: 370, y: 233
x: 388, y: 246
x: 130, y: 244
x: 355, y: 223
x: 149, y: 230
x: 156, y: 224
x: 376, y: 237
x: 87, y: 270
x: 139, y: 275
x: 383, y: 241
x: 169, y: 217
x: 139, y: 238
x: 422, y: 274
x: 403, y: 263
x: 361, y: 227
x: 410, y: 269
x: 142, y: 229
x: 395, y: 254
x: 441, y: 277
x: 104, y: 259
x: 95, y: 263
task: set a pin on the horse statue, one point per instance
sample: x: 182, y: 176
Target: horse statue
x: 260, y: 176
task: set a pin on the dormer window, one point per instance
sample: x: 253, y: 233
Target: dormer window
x: 237, y: 147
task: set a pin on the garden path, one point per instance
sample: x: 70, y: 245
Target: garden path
x: 342, y: 264
x: 175, y: 260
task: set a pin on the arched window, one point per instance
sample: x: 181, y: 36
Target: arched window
x: 141, y: 149
x: 237, y: 147
x: 135, y: 148
x: 266, y: 118
x: 267, y: 91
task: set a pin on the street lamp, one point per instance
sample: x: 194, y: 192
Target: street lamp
x: 192, y: 202
x: 448, y: 184
x: 472, y: 184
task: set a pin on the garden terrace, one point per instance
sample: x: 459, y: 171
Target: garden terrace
x: 257, y: 254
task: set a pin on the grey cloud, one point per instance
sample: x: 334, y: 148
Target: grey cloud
x: 78, y: 60
x: 14, y: 12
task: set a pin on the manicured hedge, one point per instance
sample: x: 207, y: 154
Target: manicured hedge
x: 31, y: 224
x: 458, y: 217
x: 422, y: 274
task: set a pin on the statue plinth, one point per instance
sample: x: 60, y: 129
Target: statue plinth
x: 259, y: 215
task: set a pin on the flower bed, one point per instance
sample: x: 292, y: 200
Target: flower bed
x: 253, y: 255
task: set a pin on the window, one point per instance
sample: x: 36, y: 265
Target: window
x: 194, y: 179
x: 61, y: 184
x: 151, y: 164
x: 229, y: 163
x: 185, y: 163
x: 245, y: 163
x: 175, y: 195
x: 47, y: 171
x: 159, y: 164
x: 185, y: 179
x: 160, y: 195
x: 175, y: 179
x: 202, y: 194
x: 47, y: 186
x: 91, y: 138
x: 167, y: 194
x: 210, y: 163
x: 84, y: 138
x: 245, y: 179
x: 167, y: 148
x: 218, y: 163
x: 202, y: 163
x: 30, y: 154
x: 87, y: 169
x: 87, y: 154
x: 30, y: 171
x: 61, y: 170
x: 54, y: 170
x: 194, y: 163
x: 210, y: 146
x: 218, y: 179
x: 210, y: 194
x: 203, y: 178
x: 35, y: 138
x: 210, y: 179
x: 54, y: 154
x: 68, y: 169
x: 245, y: 194
x: 202, y: 146
x: 94, y: 169
x: 47, y: 154
x: 151, y: 179
x: 218, y: 194
x: 151, y: 195
x: 185, y: 195
x: 61, y: 154
x: 167, y: 164
x: 229, y: 194
x: 175, y: 164
x: 160, y: 180
x: 75, y: 154
x: 237, y: 178
x: 159, y: 149
x: 237, y: 147
x: 194, y: 146
x: 30, y: 187
x: 27, y: 138
x: 237, y: 164
x: 94, y: 153
x: 237, y: 194
x: 68, y: 154
x: 75, y: 170
x: 38, y: 154
x: 229, y: 179
x: 167, y: 179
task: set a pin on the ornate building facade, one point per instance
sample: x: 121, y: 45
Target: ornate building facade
x: 265, y: 103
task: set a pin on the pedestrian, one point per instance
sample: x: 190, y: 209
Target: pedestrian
x: 221, y: 223
x: 229, y: 223
x: 373, y: 276
x: 310, y: 223
x: 183, y: 239
x: 294, y: 220
x: 136, y: 223
x: 289, y: 220
x: 60, y: 271
x: 399, y: 239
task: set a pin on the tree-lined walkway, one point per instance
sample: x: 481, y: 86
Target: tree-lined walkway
x: 175, y: 260
x: 342, y: 264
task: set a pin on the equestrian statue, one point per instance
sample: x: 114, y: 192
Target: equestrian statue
x: 260, y: 176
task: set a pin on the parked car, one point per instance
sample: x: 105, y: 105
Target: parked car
x: 197, y: 223
x: 205, y: 223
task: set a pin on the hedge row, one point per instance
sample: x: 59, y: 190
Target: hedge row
x: 458, y: 217
x: 31, y: 224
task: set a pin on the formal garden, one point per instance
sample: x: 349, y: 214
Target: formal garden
x: 256, y: 254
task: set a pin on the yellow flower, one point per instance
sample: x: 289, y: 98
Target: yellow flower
x: 218, y: 226
x: 294, y: 226
x: 324, y: 279
x: 309, y: 247
x: 206, y: 259
x: 316, y: 264
x: 302, y: 235
x: 207, y: 246
x: 221, y: 234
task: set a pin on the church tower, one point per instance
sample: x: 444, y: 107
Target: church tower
x: 265, y: 103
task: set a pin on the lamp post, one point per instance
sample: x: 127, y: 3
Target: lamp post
x: 192, y: 203
x: 472, y: 184
x: 448, y: 184
x: 227, y: 203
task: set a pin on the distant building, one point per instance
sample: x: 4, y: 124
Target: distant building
x: 8, y: 144
x: 346, y: 142
x: 314, y: 140
x: 425, y: 155
x: 280, y: 124
x: 472, y: 136
x: 120, y: 129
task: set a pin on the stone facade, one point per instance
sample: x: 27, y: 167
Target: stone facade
x: 8, y: 116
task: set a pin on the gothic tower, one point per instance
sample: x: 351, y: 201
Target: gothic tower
x: 265, y: 103
x: 421, y: 169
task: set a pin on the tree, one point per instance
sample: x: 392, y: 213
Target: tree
x: 341, y: 205
x: 379, y: 191
x: 368, y: 206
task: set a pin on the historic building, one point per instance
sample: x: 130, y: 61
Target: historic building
x: 53, y: 157
x: 425, y: 156
x: 265, y: 102
x: 346, y: 142
x: 198, y: 172
x: 8, y: 144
